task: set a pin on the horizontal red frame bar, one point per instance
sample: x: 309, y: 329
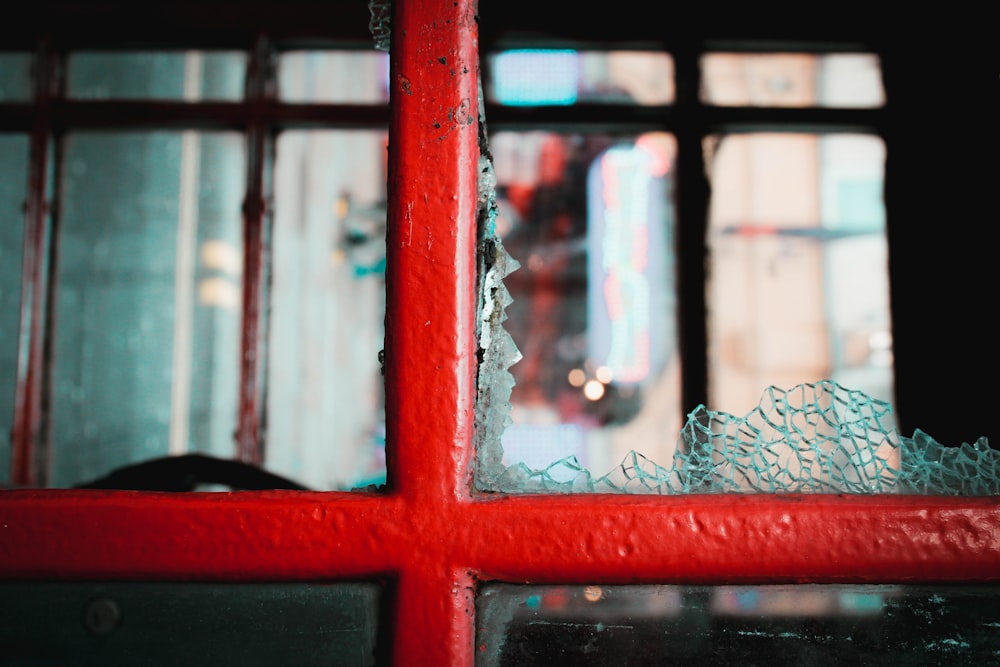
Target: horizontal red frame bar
x: 291, y: 536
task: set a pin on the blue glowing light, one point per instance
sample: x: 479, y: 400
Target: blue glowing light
x: 536, y: 77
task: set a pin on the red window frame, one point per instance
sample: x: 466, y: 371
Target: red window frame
x: 430, y: 533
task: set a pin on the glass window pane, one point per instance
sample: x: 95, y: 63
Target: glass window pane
x: 345, y: 77
x: 15, y: 77
x: 590, y: 218
x: 325, y: 397
x: 737, y: 625
x: 121, y: 624
x: 13, y: 184
x: 798, y: 265
x: 148, y: 293
x: 792, y: 80
x: 563, y: 77
x: 178, y: 75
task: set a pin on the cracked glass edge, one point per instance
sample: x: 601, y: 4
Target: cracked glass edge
x: 496, y: 350
x: 813, y: 438
x: 380, y: 23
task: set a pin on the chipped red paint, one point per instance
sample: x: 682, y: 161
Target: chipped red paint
x: 430, y: 339
x: 437, y: 547
x: 429, y: 536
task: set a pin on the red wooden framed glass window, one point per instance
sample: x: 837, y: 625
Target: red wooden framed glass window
x: 430, y: 535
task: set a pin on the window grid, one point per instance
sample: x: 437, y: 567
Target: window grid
x: 429, y: 538
x: 259, y: 115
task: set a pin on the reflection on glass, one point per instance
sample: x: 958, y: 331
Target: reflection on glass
x: 344, y: 77
x: 325, y: 406
x: 798, y: 266
x: 562, y: 77
x: 15, y: 77
x: 590, y: 219
x: 736, y: 625
x: 181, y: 623
x: 178, y: 75
x: 792, y: 80
x: 13, y: 184
x: 146, y: 355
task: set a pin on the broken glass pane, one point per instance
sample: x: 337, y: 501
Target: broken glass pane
x: 380, y: 24
x: 796, y: 219
x: 590, y: 216
x: 496, y: 349
x: 813, y: 438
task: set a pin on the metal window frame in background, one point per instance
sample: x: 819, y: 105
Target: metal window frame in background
x: 429, y: 536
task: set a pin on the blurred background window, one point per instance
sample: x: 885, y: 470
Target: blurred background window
x: 796, y: 278
x: 148, y: 329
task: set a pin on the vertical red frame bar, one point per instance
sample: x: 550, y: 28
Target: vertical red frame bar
x: 430, y: 324
x: 26, y: 436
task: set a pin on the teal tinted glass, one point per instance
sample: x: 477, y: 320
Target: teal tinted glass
x: 245, y: 625
x: 13, y: 185
x: 524, y: 626
x: 562, y: 77
x: 175, y: 75
x: 147, y: 309
x: 15, y: 77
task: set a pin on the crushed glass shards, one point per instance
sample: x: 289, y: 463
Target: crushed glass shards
x: 380, y: 23
x: 813, y: 438
x: 497, y: 350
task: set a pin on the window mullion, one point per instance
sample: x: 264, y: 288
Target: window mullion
x: 27, y: 441
x: 692, y: 213
x: 260, y: 91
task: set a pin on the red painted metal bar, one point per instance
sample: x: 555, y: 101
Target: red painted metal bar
x: 430, y: 283
x: 248, y: 443
x: 437, y: 548
x: 430, y: 340
x: 732, y: 538
x: 26, y: 435
x: 122, y: 535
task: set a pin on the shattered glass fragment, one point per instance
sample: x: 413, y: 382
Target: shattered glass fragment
x: 497, y: 351
x: 380, y: 23
x: 813, y: 438
x: 928, y: 467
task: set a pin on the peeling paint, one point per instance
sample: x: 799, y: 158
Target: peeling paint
x: 408, y: 218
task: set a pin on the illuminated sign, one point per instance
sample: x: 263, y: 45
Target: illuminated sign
x: 629, y: 295
x: 536, y: 77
